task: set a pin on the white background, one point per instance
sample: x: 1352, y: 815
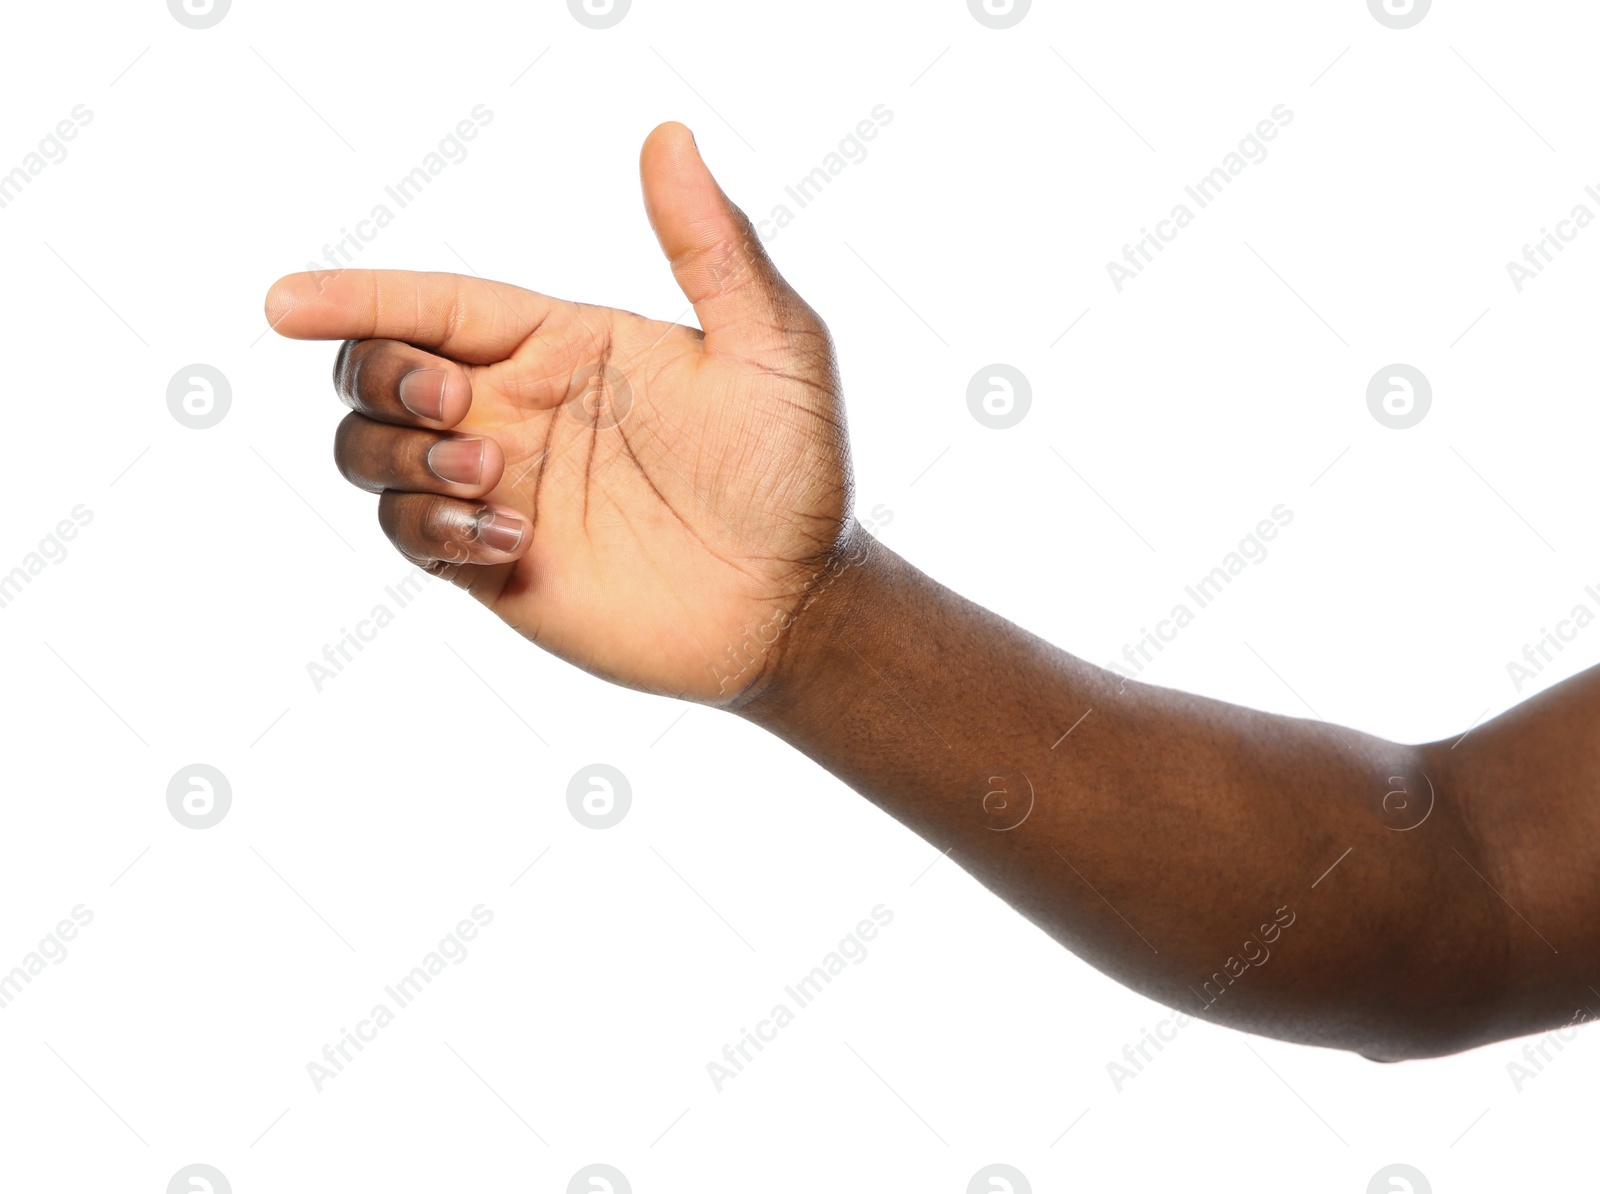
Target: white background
x: 369, y: 817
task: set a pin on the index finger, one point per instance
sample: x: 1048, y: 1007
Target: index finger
x: 465, y: 318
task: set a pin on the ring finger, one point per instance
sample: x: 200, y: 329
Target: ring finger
x: 378, y: 456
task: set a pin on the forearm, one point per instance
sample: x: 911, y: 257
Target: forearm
x: 1181, y: 845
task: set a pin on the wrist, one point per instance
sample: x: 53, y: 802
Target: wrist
x: 803, y: 659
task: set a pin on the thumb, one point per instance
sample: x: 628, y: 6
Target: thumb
x: 744, y: 305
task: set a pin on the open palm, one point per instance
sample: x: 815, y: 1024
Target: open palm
x: 652, y: 502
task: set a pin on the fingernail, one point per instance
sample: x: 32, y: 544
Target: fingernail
x: 422, y: 393
x: 500, y: 531
x: 457, y: 460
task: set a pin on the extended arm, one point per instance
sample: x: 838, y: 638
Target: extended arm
x: 1279, y: 875
x: 668, y: 507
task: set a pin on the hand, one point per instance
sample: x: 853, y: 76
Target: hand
x: 650, y: 502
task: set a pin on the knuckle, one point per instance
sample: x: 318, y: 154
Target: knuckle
x: 441, y: 521
x: 398, y: 457
x: 344, y: 370
x: 389, y: 512
x: 349, y: 454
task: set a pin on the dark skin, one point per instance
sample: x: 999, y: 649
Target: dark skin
x: 669, y: 508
